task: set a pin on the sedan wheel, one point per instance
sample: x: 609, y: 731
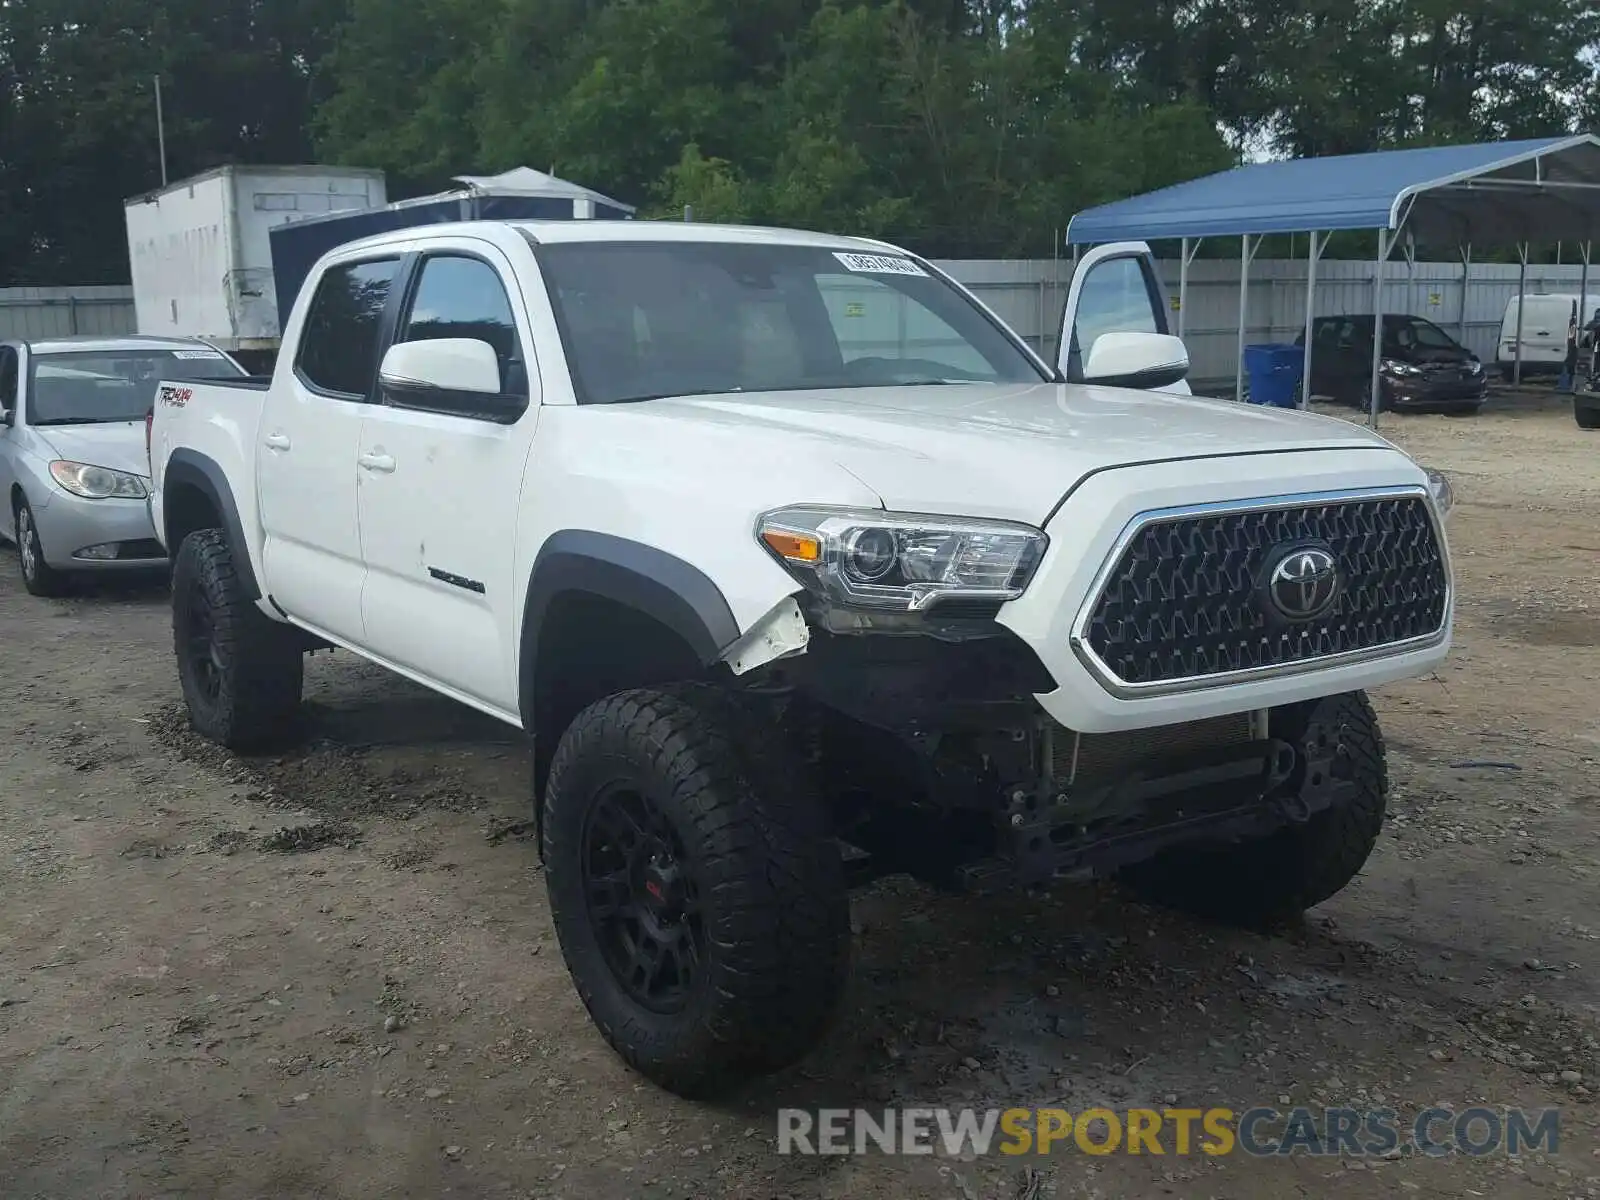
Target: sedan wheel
x: 38, y: 576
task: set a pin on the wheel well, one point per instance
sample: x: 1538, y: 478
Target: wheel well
x: 188, y: 507
x: 17, y: 497
x: 590, y: 647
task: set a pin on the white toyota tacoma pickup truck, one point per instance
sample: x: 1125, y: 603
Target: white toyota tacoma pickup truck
x: 800, y: 567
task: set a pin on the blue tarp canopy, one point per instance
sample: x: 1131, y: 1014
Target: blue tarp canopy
x: 1544, y: 189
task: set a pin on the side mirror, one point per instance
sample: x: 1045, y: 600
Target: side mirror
x: 455, y: 375
x: 1136, y: 360
x: 8, y: 417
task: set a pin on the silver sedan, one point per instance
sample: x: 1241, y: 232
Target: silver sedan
x: 73, y: 462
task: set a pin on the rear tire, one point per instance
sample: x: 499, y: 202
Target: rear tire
x: 241, y: 672
x: 38, y: 576
x: 731, y: 966
x: 1587, y: 418
x: 1273, y: 879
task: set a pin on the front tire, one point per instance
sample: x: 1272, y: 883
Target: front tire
x: 38, y: 576
x: 241, y: 672
x: 1276, y: 878
x: 1587, y: 418
x: 697, y: 892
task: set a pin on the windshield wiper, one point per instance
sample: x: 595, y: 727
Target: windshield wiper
x: 81, y: 421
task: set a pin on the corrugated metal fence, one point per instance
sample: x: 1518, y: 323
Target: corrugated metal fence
x: 44, y: 312
x: 1029, y: 294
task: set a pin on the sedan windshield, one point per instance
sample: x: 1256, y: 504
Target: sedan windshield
x: 1414, y: 331
x: 646, y: 320
x: 95, y: 387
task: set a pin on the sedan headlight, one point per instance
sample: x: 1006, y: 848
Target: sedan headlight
x: 1395, y: 367
x: 1443, y: 494
x: 1474, y: 367
x: 97, y: 483
x: 902, y: 561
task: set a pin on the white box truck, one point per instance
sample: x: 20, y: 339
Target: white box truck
x: 200, y: 253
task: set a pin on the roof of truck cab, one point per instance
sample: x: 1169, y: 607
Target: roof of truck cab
x: 596, y: 230
x: 685, y: 231
x: 90, y: 343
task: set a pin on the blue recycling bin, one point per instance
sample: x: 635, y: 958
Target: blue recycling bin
x: 1274, y: 370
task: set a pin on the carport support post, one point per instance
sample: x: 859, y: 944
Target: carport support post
x: 1522, y: 290
x: 1410, y: 251
x: 1583, y: 298
x: 1311, y: 311
x: 1466, y: 280
x: 1183, y: 283
x: 1377, y: 325
x: 1191, y: 247
x: 1247, y: 251
x: 1584, y: 316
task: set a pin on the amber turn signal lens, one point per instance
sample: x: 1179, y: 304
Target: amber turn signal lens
x: 798, y: 547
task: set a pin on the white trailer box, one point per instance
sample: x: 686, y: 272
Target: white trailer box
x: 200, y: 254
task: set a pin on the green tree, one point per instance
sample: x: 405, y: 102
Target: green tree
x: 78, y: 133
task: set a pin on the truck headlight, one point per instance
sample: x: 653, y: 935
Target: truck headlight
x: 97, y: 483
x: 902, y: 561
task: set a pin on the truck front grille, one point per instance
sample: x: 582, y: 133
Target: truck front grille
x: 1189, y: 597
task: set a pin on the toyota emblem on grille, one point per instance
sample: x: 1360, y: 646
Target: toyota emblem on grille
x: 1304, y: 583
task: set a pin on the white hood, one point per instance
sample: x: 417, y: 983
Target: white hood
x: 118, y: 445
x: 1010, y: 451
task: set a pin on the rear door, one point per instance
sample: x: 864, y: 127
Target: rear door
x: 1115, y: 289
x: 306, y: 458
x: 1544, y: 330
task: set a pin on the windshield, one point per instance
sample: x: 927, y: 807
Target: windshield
x: 94, y: 387
x: 1418, y: 333
x: 641, y: 321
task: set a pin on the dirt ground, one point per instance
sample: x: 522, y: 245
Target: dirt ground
x: 333, y: 974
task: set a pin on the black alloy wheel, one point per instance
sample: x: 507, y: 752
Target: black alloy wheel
x: 643, y: 900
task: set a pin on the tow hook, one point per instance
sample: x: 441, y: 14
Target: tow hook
x: 1294, y: 808
x: 1291, y: 802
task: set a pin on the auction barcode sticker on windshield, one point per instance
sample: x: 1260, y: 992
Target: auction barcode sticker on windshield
x: 186, y: 354
x: 878, y: 264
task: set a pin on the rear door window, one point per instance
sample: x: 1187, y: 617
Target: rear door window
x: 338, y: 353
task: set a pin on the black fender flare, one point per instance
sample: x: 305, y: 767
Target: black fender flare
x: 652, y: 581
x: 190, y: 468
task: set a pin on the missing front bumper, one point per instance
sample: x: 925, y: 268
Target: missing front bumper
x: 1245, y: 790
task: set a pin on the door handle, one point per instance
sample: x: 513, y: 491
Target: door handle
x: 377, y: 462
x: 277, y: 441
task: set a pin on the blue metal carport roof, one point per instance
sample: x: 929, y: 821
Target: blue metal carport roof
x: 1540, y: 189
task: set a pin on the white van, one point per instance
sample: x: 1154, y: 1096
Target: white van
x: 1544, y: 332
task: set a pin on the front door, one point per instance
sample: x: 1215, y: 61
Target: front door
x: 10, y: 434
x: 1115, y: 289
x: 307, y: 453
x: 439, y: 492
